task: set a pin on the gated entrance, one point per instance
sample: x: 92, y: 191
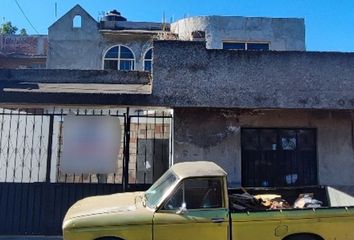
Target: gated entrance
x: 35, y: 193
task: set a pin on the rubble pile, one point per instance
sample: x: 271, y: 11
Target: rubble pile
x: 246, y: 201
x: 306, y: 200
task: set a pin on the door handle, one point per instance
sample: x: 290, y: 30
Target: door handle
x: 217, y: 220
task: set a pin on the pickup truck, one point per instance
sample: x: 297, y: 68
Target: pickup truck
x: 191, y: 201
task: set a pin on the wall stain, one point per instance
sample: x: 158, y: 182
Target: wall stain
x: 205, y: 128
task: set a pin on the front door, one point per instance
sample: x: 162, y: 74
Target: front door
x: 195, y: 210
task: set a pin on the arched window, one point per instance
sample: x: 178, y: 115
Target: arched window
x: 119, y: 58
x: 148, y: 60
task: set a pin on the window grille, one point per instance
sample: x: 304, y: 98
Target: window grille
x: 249, y: 46
x: 278, y: 157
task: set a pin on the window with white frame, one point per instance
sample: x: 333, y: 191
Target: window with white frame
x: 119, y: 58
x: 148, y: 60
x: 250, y: 46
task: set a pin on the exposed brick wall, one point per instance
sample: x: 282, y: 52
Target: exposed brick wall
x: 24, y: 45
x: 23, y: 51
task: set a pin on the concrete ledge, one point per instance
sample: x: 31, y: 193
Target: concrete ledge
x: 73, y: 76
x: 74, y: 88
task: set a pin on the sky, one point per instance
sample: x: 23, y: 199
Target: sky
x: 329, y: 23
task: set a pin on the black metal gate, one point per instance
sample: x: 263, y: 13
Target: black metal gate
x: 35, y: 193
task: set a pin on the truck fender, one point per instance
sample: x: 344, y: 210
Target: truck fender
x: 303, y: 236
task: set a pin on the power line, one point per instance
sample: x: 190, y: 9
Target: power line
x: 18, y: 5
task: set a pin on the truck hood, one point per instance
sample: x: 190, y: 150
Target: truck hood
x: 115, y: 203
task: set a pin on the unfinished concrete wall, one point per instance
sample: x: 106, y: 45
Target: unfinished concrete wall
x: 283, y: 34
x: 84, y: 47
x: 74, y: 47
x: 207, y: 134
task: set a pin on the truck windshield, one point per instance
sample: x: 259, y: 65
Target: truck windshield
x: 154, y: 194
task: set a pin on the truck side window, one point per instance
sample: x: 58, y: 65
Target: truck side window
x: 203, y: 193
x: 176, y: 200
x: 197, y: 193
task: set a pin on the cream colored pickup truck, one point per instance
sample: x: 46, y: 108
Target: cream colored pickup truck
x: 191, y: 201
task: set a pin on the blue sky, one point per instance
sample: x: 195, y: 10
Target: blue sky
x: 329, y: 23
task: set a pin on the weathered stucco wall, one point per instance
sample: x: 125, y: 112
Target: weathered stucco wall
x: 207, y: 134
x: 190, y: 75
x: 283, y: 34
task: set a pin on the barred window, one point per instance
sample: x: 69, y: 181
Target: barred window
x: 119, y: 58
x: 249, y: 46
x: 278, y: 157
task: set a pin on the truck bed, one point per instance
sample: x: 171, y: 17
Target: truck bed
x: 289, y: 194
x: 325, y: 222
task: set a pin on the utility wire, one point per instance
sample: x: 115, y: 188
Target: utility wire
x: 18, y: 5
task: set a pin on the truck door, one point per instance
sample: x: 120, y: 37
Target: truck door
x: 196, y: 209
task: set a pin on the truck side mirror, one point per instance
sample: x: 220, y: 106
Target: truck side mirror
x: 182, y: 209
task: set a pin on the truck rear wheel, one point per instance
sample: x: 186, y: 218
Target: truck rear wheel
x: 109, y: 238
x: 303, y: 237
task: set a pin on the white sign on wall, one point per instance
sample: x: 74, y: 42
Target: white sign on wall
x: 90, y: 144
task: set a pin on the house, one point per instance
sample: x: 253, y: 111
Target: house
x: 77, y: 41
x: 242, y: 92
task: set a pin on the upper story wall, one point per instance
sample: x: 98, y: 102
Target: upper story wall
x: 283, y: 34
x: 74, y: 47
x: 84, y: 47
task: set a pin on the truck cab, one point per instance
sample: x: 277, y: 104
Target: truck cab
x: 189, y: 196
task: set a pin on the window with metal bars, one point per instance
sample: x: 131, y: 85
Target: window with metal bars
x: 249, y: 46
x: 278, y: 157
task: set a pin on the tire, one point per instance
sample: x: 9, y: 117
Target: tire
x: 303, y: 237
x: 108, y: 238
